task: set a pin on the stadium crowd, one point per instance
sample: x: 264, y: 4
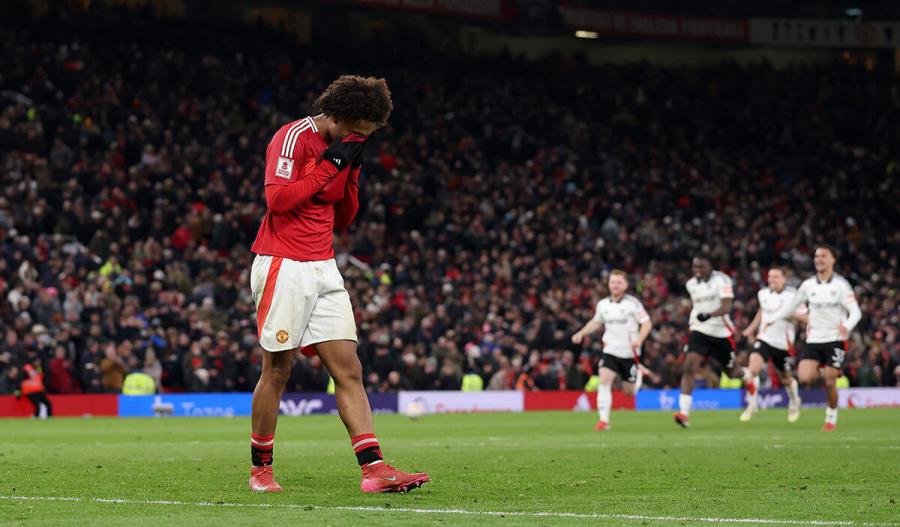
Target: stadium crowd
x: 492, y: 206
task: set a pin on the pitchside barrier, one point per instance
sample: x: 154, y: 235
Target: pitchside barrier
x: 238, y: 404
x: 63, y: 405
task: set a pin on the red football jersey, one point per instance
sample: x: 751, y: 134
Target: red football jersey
x: 304, y: 232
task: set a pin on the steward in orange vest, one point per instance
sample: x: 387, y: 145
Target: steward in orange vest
x: 32, y: 386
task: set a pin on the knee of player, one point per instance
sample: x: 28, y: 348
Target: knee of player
x: 690, y: 366
x: 349, y: 374
x: 754, y: 367
x: 281, y: 377
x: 278, y: 373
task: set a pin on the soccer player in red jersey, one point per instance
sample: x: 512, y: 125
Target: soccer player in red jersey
x: 312, y: 186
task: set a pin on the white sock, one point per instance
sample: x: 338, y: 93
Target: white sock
x: 793, y: 392
x: 831, y: 415
x: 684, y: 403
x: 604, y: 401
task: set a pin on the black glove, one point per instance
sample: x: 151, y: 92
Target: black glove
x: 346, y: 151
x: 703, y: 317
x: 359, y: 159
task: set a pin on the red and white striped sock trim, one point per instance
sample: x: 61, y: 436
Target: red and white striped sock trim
x: 262, y: 442
x: 364, y: 441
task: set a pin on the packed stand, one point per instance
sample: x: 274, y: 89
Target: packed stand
x: 492, y: 206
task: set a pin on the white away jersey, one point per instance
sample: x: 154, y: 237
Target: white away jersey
x: 706, y: 296
x: 831, y: 304
x: 777, y: 332
x: 621, y: 323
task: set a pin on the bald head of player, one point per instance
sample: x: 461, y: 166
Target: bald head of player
x: 353, y: 104
x: 701, y: 267
x: 824, y: 260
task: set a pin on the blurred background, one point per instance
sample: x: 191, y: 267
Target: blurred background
x: 535, y: 145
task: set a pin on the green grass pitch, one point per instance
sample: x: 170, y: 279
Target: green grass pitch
x: 536, y: 468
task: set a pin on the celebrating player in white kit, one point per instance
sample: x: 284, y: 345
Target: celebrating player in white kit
x: 833, y: 313
x: 774, y: 340
x: 627, y: 325
x: 712, y: 332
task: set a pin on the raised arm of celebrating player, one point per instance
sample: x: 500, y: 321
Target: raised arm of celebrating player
x: 725, y: 292
x: 789, y: 308
x: 591, y: 326
x: 724, y: 309
x: 750, y: 330
x: 854, y: 314
x: 646, y: 326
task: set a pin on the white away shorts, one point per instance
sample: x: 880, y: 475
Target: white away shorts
x: 299, y: 303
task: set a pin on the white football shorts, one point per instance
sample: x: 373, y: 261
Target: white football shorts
x: 299, y: 304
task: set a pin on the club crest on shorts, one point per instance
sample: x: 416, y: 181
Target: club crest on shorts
x: 281, y: 336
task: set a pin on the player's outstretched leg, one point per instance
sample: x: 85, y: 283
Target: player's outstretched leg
x: 266, y: 397
x: 790, y: 384
x: 785, y: 363
x: 751, y: 385
x: 341, y: 361
x: 692, y: 363
x: 604, y: 405
x: 831, y: 406
x: 808, y: 373
x: 604, y: 398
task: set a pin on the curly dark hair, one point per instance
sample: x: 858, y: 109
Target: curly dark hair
x: 355, y: 98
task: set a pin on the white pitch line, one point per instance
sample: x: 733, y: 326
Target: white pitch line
x: 572, y: 515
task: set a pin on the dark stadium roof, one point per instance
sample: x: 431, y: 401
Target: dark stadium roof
x: 760, y: 8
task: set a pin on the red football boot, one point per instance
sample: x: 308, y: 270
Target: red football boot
x: 601, y: 426
x: 682, y: 420
x: 262, y: 480
x: 381, y: 477
x: 828, y: 427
